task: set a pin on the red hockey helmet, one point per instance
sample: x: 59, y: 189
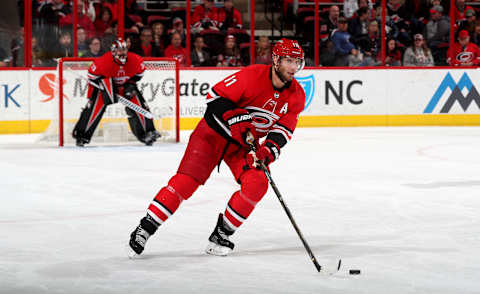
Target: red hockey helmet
x: 288, y: 48
x: 119, y: 50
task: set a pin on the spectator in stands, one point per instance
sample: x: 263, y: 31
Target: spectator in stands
x: 476, y: 34
x: 18, y: 48
x: 52, y: 10
x: 358, y: 26
x: 330, y: 23
x: 437, y: 34
x: 199, y: 56
x: 160, y: 37
x: 83, y: 20
x: 175, y: 49
x: 37, y: 53
x: 460, y: 11
x: 463, y: 53
x: 393, y: 54
x: 82, y: 46
x: 230, y: 55
x: 341, y: 40
x: 94, y: 48
x: 370, y: 45
x: 367, y: 4
x: 327, y: 54
x: 147, y: 47
x: 205, y: 16
x: 104, y: 22
x: 178, y: 28
x: 469, y: 23
x: 418, y: 54
x: 229, y: 17
x: 263, y: 52
x: 401, y: 20
x: 349, y: 8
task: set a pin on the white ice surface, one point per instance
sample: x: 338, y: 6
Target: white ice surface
x: 400, y: 204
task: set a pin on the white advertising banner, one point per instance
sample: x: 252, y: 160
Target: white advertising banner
x: 31, y: 95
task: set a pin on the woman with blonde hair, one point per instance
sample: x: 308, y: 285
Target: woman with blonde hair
x: 418, y: 54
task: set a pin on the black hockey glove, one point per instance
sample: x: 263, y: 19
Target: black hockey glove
x: 129, y: 90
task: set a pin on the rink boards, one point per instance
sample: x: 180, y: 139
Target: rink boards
x: 334, y: 97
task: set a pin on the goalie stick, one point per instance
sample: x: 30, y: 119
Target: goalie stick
x: 320, y: 269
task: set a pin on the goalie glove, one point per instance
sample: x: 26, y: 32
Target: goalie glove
x: 129, y: 90
x: 267, y: 153
x: 240, y: 123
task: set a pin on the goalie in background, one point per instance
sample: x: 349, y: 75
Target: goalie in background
x: 116, y: 72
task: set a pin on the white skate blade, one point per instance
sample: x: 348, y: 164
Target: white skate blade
x: 215, y: 249
x: 130, y: 253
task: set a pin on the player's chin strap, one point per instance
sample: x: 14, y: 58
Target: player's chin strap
x: 320, y: 269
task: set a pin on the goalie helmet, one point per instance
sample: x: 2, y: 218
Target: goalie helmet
x: 119, y: 51
x: 288, y: 48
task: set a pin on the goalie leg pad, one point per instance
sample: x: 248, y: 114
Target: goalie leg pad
x: 89, y: 119
x: 254, y: 186
x: 166, y: 202
x: 141, y: 126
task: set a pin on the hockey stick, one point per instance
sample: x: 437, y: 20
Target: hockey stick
x: 122, y: 100
x: 320, y: 269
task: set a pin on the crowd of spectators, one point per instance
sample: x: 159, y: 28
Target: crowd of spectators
x: 417, y: 33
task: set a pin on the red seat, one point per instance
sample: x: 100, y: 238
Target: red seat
x: 135, y: 18
x: 160, y: 18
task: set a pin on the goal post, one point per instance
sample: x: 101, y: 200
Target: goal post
x: 159, y: 86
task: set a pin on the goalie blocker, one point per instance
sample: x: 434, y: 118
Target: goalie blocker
x: 102, y: 93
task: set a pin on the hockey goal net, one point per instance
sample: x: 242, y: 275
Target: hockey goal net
x: 159, y: 86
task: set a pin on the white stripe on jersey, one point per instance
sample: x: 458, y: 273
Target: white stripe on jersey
x: 161, y: 208
x: 92, y: 76
x: 232, y: 226
x: 235, y: 215
x: 154, y: 216
x: 282, y: 131
x: 220, y: 123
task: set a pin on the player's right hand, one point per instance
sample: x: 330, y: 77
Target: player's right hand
x: 240, y: 122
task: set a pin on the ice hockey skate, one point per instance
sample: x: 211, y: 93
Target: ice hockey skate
x: 151, y: 137
x: 219, y: 243
x: 139, y: 237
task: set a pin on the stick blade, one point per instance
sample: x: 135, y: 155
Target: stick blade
x: 331, y: 268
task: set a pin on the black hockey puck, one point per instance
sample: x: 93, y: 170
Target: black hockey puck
x: 354, y: 271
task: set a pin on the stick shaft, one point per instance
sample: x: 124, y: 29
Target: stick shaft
x: 290, y: 217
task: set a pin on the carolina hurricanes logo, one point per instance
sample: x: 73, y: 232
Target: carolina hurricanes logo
x: 262, y: 119
x: 48, y: 86
x: 465, y: 57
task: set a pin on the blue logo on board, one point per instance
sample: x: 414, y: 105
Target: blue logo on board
x: 308, y: 85
x: 455, y: 96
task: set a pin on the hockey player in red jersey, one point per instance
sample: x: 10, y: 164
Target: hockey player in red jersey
x: 261, y: 100
x: 116, y: 72
x: 463, y: 53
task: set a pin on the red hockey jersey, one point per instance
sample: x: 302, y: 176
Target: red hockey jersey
x: 106, y: 67
x: 275, y: 111
x: 457, y: 55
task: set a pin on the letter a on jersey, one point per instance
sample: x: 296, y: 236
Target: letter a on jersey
x: 284, y: 108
